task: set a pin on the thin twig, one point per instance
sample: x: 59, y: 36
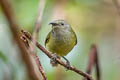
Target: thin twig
x: 40, y: 67
x: 26, y: 42
x: 37, y: 25
x: 49, y: 54
x: 16, y: 35
x: 35, y: 37
x: 117, y: 5
x: 98, y: 73
x: 93, y: 60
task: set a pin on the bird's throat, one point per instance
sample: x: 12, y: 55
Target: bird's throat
x: 60, y: 34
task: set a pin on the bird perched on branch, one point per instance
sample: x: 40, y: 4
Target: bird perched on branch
x: 61, y: 39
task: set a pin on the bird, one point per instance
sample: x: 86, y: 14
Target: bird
x: 61, y: 39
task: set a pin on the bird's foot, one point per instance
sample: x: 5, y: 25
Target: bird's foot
x: 67, y: 63
x: 53, y: 60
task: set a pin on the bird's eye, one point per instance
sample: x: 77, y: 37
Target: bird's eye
x: 62, y: 24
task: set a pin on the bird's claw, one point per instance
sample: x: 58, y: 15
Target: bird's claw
x: 67, y: 64
x: 53, y: 60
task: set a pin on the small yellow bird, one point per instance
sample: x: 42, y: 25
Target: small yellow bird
x: 61, y: 39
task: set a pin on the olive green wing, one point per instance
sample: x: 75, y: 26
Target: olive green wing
x: 76, y: 39
x: 75, y: 36
x: 47, y: 38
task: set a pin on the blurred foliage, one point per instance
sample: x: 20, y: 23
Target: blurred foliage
x: 94, y: 21
x: 3, y: 57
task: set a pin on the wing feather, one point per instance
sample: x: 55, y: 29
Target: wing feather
x: 48, y: 38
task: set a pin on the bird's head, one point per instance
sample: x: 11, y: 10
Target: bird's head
x: 59, y: 24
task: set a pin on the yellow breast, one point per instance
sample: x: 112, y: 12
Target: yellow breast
x: 61, y: 45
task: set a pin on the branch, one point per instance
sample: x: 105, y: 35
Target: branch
x: 37, y: 25
x: 97, y: 64
x: 49, y: 54
x: 117, y: 5
x: 93, y: 59
x: 26, y: 42
x: 31, y: 47
x: 16, y: 35
x: 40, y: 67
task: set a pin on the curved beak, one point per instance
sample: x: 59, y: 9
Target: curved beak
x: 53, y: 24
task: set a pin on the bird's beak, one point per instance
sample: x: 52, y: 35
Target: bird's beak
x: 53, y: 24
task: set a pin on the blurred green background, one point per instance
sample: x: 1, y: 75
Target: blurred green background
x: 94, y: 21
